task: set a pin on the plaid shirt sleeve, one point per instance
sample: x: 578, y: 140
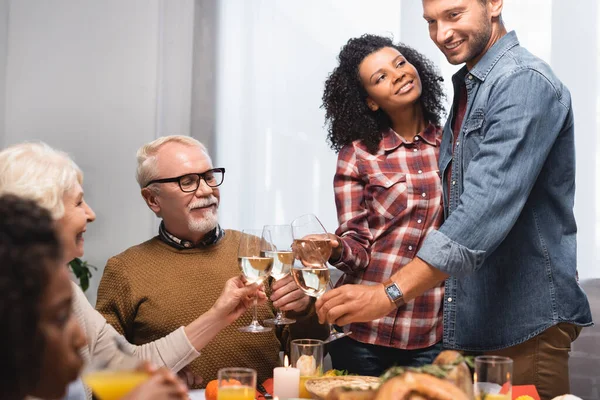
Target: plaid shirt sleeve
x: 352, y: 214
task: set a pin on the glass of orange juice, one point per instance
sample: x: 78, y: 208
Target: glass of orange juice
x: 307, y: 356
x: 236, y: 384
x: 493, y: 378
x: 110, y: 380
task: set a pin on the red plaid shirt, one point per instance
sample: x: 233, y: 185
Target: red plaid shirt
x: 387, y: 203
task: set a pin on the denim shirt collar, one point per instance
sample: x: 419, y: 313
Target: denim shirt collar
x: 491, y: 57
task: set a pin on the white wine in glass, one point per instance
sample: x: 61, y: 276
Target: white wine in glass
x: 282, y: 263
x: 280, y: 239
x: 312, y: 281
x: 312, y: 248
x: 255, y: 267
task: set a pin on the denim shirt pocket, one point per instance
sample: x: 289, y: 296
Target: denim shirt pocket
x: 387, y: 194
x: 473, y: 135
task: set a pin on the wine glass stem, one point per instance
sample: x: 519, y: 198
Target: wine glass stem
x: 254, y: 315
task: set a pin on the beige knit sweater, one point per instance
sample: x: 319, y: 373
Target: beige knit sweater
x: 152, y: 289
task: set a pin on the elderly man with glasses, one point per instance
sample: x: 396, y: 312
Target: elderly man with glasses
x: 162, y: 284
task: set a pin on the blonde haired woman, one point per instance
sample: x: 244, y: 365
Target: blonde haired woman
x: 49, y: 177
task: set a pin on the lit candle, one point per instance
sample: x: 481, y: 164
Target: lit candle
x: 286, y: 381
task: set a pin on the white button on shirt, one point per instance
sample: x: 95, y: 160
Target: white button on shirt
x: 449, y: 299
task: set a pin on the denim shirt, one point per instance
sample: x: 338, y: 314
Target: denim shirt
x: 509, y: 238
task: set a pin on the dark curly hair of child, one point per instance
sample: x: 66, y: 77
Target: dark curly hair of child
x: 29, y: 249
x: 347, y: 116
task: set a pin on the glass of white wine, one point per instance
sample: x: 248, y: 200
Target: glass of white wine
x: 280, y: 239
x: 255, y: 267
x: 312, y: 249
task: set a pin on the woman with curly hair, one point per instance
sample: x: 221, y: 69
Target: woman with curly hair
x: 383, y: 105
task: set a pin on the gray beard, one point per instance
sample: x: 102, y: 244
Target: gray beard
x: 204, y: 225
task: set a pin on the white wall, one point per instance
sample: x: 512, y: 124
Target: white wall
x: 3, y: 61
x: 98, y: 79
x: 273, y: 59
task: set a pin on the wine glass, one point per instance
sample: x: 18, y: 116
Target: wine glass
x: 280, y: 239
x: 312, y: 248
x: 255, y: 267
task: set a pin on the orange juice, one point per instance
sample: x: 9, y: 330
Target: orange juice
x: 303, y: 393
x: 113, y: 385
x: 236, y: 393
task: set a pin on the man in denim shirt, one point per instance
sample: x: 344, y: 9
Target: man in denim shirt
x: 508, y: 244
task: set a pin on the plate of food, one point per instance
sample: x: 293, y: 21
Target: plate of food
x: 319, y: 388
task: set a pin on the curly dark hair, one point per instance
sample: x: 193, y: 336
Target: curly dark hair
x: 347, y: 116
x: 29, y: 248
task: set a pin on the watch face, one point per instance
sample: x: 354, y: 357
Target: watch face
x: 393, y: 291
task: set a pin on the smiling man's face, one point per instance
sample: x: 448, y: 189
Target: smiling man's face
x: 461, y: 29
x: 186, y: 215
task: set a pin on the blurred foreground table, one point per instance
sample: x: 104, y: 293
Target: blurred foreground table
x: 197, y: 394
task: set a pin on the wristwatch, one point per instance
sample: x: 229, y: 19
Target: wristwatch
x: 394, y: 293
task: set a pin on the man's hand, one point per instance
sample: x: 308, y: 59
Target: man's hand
x: 336, y: 248
x: 236, y: 298
x: 353, y: 303
x: 336, y: 245
x: 287, y: 296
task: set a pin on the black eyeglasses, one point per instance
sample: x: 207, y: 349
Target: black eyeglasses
x: 190, y: 182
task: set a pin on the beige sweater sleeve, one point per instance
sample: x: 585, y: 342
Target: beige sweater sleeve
x: 173, y: 351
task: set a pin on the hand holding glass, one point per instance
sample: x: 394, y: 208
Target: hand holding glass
x: 279, y: 240
x: 114, y: 381
x: 312, y: 248
x: 255, y: 267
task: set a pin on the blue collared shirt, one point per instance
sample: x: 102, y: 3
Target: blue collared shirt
x: 509, y: 238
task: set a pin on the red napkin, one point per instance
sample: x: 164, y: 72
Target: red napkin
x: 522, y: 390
x: 268, y: 385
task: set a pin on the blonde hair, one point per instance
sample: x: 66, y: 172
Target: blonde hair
x: 146, y: 156
x: 38, y: 172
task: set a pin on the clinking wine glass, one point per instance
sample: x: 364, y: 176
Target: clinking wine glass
x: 312, y: 249
x: 255, y: 267
x: 279, y: 240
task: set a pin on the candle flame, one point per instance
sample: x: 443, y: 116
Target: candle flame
x: 286, y: 362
